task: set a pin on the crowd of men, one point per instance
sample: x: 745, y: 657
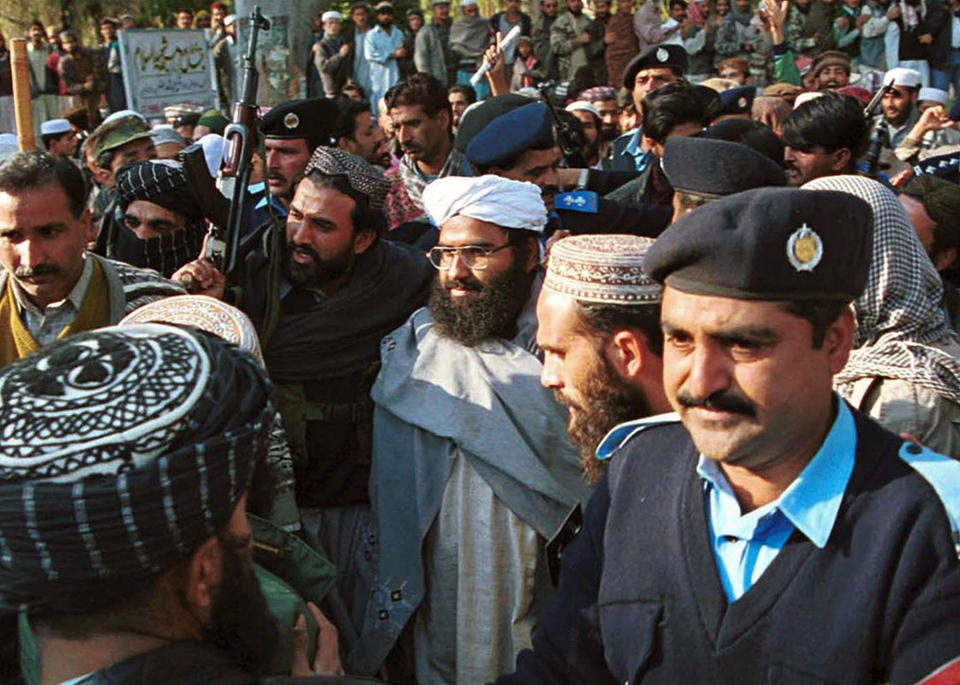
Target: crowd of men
x: 504, y: 385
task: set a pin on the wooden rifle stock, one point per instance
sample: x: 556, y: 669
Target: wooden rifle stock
x: 240, y: 136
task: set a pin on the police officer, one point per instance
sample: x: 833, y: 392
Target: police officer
x: 644, y: 74
x: 521, y: 144
x: 724, y: 547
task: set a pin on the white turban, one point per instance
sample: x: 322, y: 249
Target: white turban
x: 506, y: 203
x: 331, y: 14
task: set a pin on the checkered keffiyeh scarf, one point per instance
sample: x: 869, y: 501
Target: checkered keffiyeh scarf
x: 414, y: 180
x: 899, y: 316
x: 122, y: 450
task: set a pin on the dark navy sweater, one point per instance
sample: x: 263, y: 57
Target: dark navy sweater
x: 640, y: 599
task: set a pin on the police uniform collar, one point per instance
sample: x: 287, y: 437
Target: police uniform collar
x: 622, y: 433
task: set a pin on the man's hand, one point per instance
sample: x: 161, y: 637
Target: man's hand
x: 327, y: 660
x: 345, y: 49
x: 399, y: 53
x: 843, y: 22
x: 496, y: 77
x: 925, y: 38
x: 861, y: 20
x: 201, y: 277
x: 933, y: 119
x: 893, y: 12
x: 583, y: 38
x: 776, y: 11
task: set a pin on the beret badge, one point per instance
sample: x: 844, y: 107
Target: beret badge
x: 291, y: 121
x: 804, y: 249
x: 662, y: 55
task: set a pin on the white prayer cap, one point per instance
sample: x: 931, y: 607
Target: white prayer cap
x: 212, y: 145
x: 506, y: 203
x: 603, y: 268
x: 331, y: 14
x: 54, y: 126
x: 583, y: 106
x: 468, y: 3
x: 806, y: 97
x: 124, y: 113
x: 901, y: 76
x: 934, y: 95
x: 229, y: 19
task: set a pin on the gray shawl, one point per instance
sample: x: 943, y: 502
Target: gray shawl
x: 433, y: 393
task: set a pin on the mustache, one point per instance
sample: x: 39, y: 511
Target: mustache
x: 412, y: 147
x: 720, y: 400
x: 475, y: 286
x: 38, y: 270
x: 303, y: 249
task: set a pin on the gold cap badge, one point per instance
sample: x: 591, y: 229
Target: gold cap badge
x: 804, y: 249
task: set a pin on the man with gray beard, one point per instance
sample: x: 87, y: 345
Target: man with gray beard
x: 472, y: 472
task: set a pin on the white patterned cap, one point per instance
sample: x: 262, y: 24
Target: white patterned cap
x: 606, y: 269
x: 206, y: 313
x: 363, y: 177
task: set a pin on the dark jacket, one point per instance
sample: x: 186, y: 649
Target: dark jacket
x: 194, y: 663
x: 937, y: 23
x: 640, y: 599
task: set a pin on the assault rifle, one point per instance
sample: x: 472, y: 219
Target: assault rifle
x: 879, y: 138
x: 240, y: 136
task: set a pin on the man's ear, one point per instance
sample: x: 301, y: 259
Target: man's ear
x: 841, y: 158
x: 626, y: 351
x: 363, y: 241
x: 203, y: 578
x: 533, y: 254
x: 444, y: 119
x: 838, y: 339
x: 88, y: 232
x: 944, y: 258
x: 102, y: 176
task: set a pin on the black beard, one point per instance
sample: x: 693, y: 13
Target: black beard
x: 610, y: 401
x: 609, y: 134
x: 240, y: 623
x: 320, y: 272
x: 492, y: 313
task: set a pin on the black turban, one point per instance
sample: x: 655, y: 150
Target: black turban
x: 161, y: 183
x: 121, y: 450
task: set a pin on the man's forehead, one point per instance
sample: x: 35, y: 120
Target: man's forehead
x: 464, y: 230
x: 407, y: 112
x: 662, y: 73
x: 150, y: 211
x: 557, y: 317
x: 272, y: 143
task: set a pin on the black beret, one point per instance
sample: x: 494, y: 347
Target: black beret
x: 737, y: 100
x: 672, y: 56
x: 314, y: 119
x: 769, y: 244
x: 717, y: 167
x: 479, y: 114
x: 508, y: 136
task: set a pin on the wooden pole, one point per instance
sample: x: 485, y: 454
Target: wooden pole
x: 22, y: 109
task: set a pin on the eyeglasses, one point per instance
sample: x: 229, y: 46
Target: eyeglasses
x: 472, y: 256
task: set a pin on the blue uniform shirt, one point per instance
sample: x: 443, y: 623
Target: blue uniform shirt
x: 267, y: 197
x: 744, y: 545
x: 637, y: 158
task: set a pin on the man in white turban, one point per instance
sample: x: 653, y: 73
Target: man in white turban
x: 472, y: 468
